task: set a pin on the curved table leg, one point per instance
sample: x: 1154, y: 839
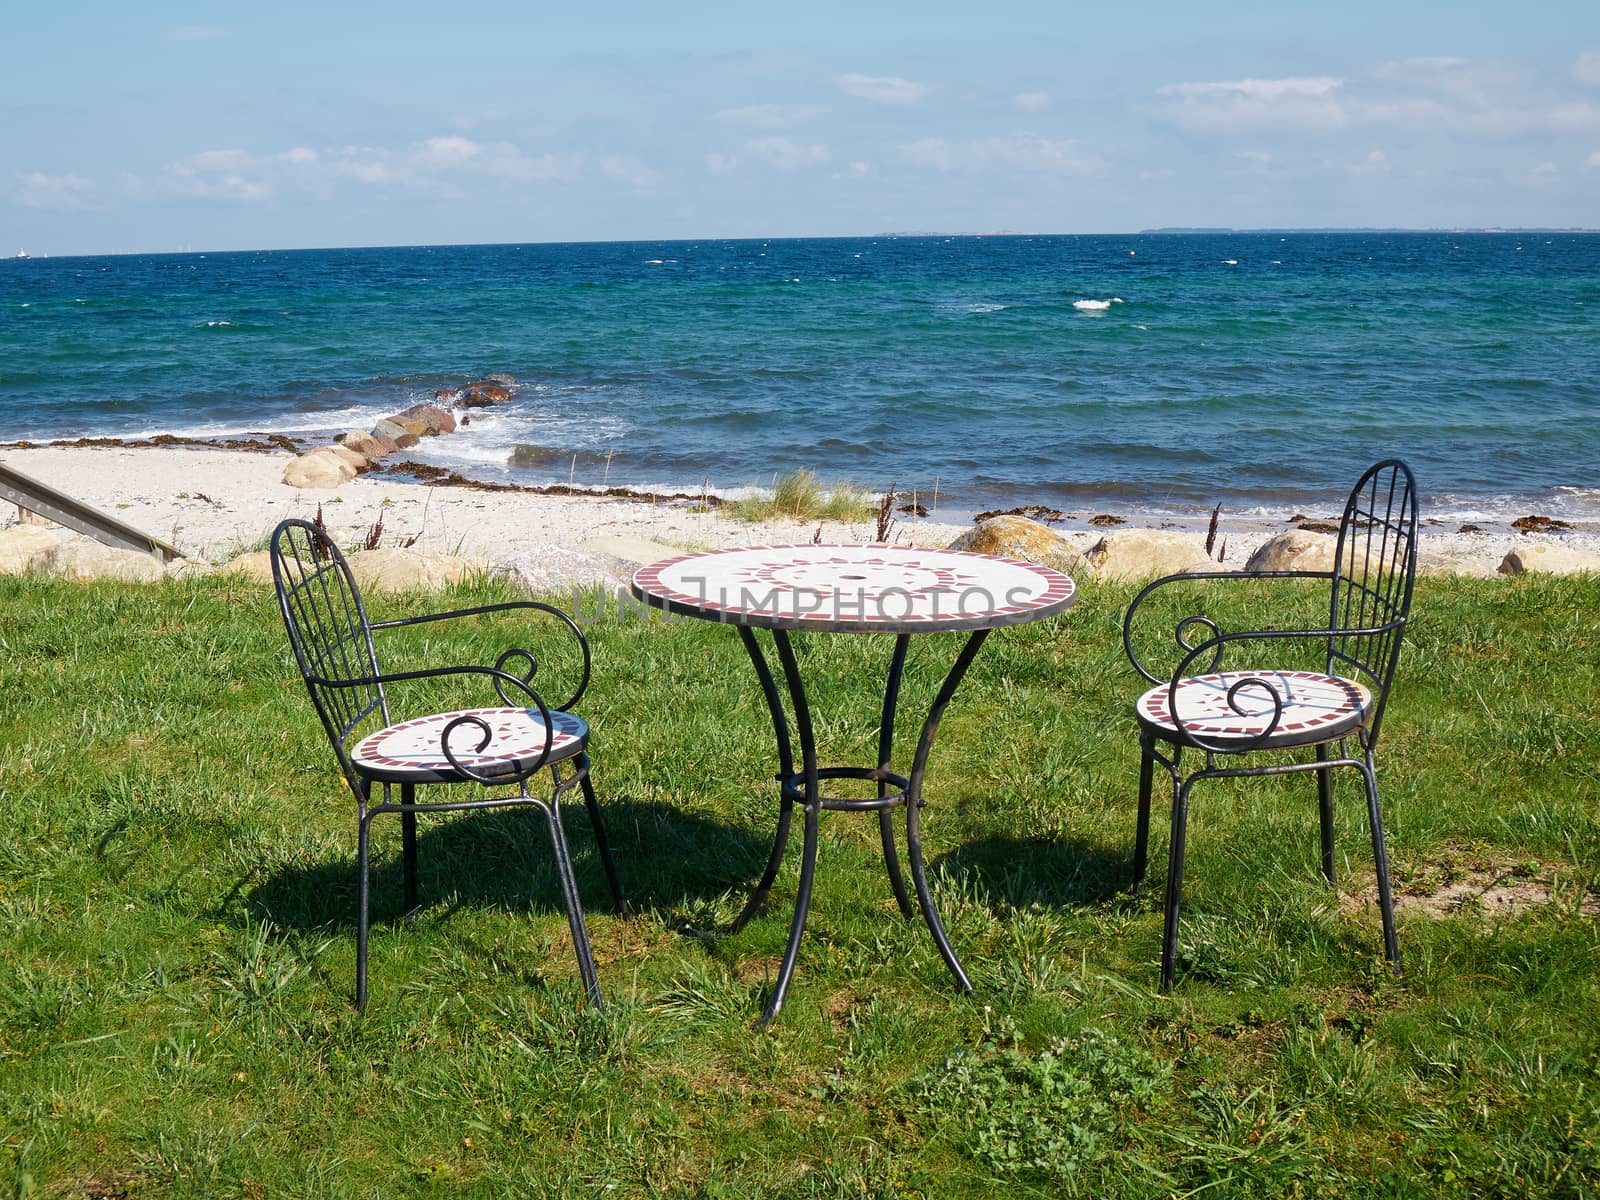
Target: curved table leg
x: 813, y: 816
x: 780, y: 729
x: 891, y: 698
x: 914, y: 803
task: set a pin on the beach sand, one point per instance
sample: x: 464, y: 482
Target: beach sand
x: 214, y: 504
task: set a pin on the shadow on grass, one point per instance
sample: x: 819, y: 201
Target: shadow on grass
x: 1019, y: 872
x: 501, y: 858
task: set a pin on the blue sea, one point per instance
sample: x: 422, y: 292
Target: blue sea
x: 1153, y: 372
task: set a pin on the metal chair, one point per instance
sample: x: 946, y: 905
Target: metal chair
x: 1225, y: 714
x: 495, y: 746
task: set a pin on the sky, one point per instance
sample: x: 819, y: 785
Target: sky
x: 158, y: 126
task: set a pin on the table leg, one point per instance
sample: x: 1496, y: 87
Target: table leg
x: 891, y: 697
x: 914, y: 804
x: 813, y: 816
x: 780, y: 729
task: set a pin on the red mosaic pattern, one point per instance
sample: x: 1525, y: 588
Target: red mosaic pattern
x: 517, y: 737
x: 1313, y: 705
x: 830, y: 586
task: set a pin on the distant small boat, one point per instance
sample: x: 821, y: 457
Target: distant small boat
x: 22, y: 254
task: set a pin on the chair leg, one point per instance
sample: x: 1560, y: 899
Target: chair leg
x: 1380, y: 854
x: 363, y: 857
x: 1141, y: 838
x: 601, y: 840
x: 1169, y: 937
x: 408, y: 843
x: 569, y: 897
x: 1325, y: 801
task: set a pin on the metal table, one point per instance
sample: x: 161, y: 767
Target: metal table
x: 852, y: 589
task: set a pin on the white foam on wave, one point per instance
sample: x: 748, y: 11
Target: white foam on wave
x: 1096, y: 305
x: 1230, y: 262
x: 984, y: 308
x: 216, y: 324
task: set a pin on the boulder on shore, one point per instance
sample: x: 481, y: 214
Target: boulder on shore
x: 402, y: 438
x: 1543, y: 556
x: 399, y: 570
x: 1018, y: 537
x: 483, y: 394
x: 434, y: 419
x: 369, y: 445
x: 1130, y: 554
x: 1295, y: 550
x: 26, y: 546
x: 356, y: 459
x: 318, y: 469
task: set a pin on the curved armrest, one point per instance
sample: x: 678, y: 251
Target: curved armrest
x: 1214, y: 647
x: 1180, y: 632
x: 501, y: 679
x: 515, y: 652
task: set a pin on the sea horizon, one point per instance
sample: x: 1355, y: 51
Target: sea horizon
x: 1165, y: 371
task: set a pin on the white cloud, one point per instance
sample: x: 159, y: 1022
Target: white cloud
x: 449, y: 151
x: 1243, y: 105
x: 1031, y: 101
x: 299, y: 154
x: 1587, y: 67
x: 769, y: 116
x: 1419, y: 97
x: 35, y: 189
x: 1019, y: 152
x: 787, y: 155
x: 1260, y: 89
x: 722, y: 164
x: 882, y: 89
x: 196, y: 33
x: 1594, y: 159
x: 1257, y: 158
x: 854, y: 170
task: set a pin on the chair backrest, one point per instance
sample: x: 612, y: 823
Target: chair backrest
x: 1377, y: 567
x: 328, y: 631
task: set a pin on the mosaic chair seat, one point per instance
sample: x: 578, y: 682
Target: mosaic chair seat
x: 499, y: 746
x: 1333, y: 713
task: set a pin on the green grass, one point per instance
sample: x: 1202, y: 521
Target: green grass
x: 177, y: 893
x: 797, y: 496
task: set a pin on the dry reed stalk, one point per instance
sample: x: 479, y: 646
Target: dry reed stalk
x: 1211, y: 533
x: 886, y: 515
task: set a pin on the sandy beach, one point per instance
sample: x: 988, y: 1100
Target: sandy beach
x: 214, y: 504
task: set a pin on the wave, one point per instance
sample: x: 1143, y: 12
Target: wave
x: 1096, y: 305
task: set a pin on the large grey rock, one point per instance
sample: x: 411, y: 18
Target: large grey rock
x: 1553, y: 558
x: 556, y: 570
x: 1295, y: 550
x: 368, y: 445
x: 25, y: 546
x: 1130, y: 554
x: 434, y: 419
x: 319, y: 469
x: 1018, y: 537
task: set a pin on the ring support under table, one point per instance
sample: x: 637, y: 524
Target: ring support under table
x: 852, y: 589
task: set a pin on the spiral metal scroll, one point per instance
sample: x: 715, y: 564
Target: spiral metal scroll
x: 525, y: 679
x: 517, y: 775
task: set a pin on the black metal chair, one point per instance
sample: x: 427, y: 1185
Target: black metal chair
x: 495, y: 746
x: 1224, y: 714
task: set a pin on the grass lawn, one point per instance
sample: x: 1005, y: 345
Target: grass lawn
x: 177, y: 895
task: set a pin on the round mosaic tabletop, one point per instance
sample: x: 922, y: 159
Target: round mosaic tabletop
x: 855, y: 589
